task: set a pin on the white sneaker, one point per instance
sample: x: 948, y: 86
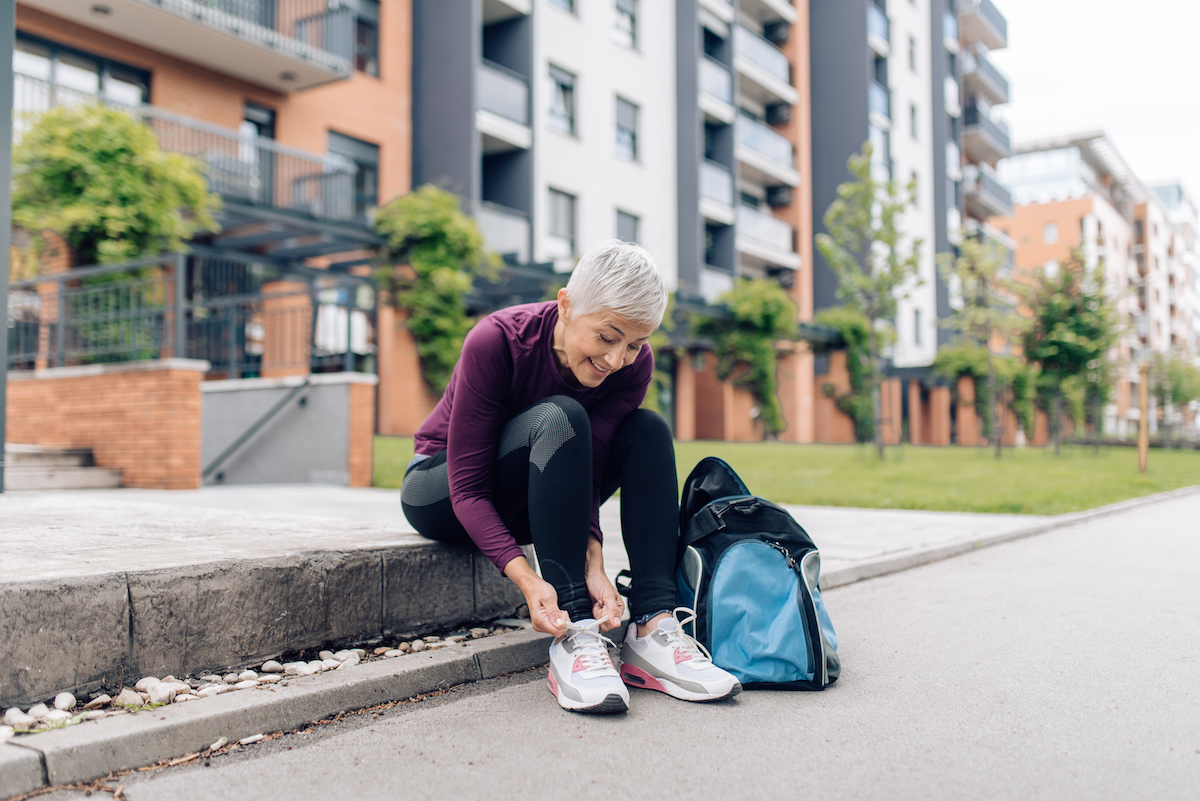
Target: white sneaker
x: 671, y: 662
x: 581, y: 674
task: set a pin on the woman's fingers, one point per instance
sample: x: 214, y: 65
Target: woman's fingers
x: 544, y: 613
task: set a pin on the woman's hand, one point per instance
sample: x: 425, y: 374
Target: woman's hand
x: 540, y: 597
x: 606, y: 601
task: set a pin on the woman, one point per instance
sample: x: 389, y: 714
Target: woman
x: 538, y: 426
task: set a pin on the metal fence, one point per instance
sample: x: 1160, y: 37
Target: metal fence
x: 247, y: 318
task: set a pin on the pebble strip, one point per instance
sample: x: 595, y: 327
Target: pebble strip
x: 151, y: 692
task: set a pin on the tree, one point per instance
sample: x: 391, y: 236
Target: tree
x: 987, y: 312
x: 439, y: 251
x: 863, y: 248
x: 97, y: 176
x: 1070, y: 328
x: 760, y: 313
x: 1174, y: 382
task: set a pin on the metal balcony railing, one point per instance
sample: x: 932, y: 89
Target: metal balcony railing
x: 766, y: 229
x: 761, y: 139
x: 241, y: 168
x: 977, y: 68
x: 716, y: 183
x: 759, y: 51
x: 877, y: 22
x: 716, y: 80
x: 504, y: 92
x: 231, y: 311
x: 978, y: 122
x: 982, y: 21
x: 879, y: 100
x: 982, y: 186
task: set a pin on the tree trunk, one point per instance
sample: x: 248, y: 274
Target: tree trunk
x: 1058, y: 420
x: 876, y: 411
x: 993, y: 414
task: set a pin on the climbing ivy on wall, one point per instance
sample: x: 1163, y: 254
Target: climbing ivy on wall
x: 856, y: 403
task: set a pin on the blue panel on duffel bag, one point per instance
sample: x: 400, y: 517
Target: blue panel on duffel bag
x: 758, y: 630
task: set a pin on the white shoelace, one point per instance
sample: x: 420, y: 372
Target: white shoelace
x: 680, y: 639
x: 589, y: 645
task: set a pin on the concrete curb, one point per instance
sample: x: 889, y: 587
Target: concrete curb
x: 93, y: 750
x: 894, y: 563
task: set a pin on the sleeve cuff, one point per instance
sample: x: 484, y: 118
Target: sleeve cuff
x: 502, y: 559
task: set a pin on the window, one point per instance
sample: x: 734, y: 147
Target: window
x: 916, y: 326
x: 627, y: 114
x: 47, y: 75
x: 1050, y: 233
x: 627, y: 227
x: 881, y: 158
x: 916, y: 184
x: 912, y: 119
x: 366, y: 37
x: 364, y: 156
x: 625, y: 29
x: 912, y: 53
x: 562, y: 101
x: 562, y: 224
x: 565, y: 5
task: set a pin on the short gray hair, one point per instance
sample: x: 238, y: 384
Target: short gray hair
x: 621, y: 278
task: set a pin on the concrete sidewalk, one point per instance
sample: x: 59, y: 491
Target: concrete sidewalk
x: 116, y: 584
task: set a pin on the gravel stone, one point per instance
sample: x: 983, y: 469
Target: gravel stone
x: 271, y: 666
x: 179, y: 699
x: 230, y: 678
x: 253, y: 738
x: 418, y: 645
x: 210, y: 678
x: 325, y: 655
x: 128, y: 697
x: 99, y: 700
x: 209, y: 692
x: 245, y: 685
x: 295, y: 668
x: 144, y: 684
x: 361, y: 653
x: 64, y: 701
x: 477, y: 633
x: 6, y: 732
x: 315, y: 666
x: 247, y: 675
x: 432, y: 639
x: 393, y: 653
x: 270, y: 678
x: 39, y: 711
x: 380, y: 651
x: 330, y: 664
x: 162, y: 693
x: 19, y: 720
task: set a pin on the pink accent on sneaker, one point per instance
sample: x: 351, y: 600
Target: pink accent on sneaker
x: 646, y: 682
x: 580, y: 664
x: 681, y: 655
x: 551, y: 683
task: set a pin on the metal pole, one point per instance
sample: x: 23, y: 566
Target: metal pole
x: 7, y: 24
x: 180, y: 349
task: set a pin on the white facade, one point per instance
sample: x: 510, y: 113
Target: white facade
x: 585, y: 164
x: 912, y: 153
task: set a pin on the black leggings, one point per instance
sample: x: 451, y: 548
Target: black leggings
x: 543, y: 493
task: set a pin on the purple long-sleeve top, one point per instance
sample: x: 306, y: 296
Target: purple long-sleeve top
x: 507, y: 364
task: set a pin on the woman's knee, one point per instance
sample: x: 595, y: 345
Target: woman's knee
x: 571, y: 410
x: 645, y: 426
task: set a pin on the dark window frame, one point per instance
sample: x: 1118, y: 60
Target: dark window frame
x: 627, y: 120
x: 627, y: 10
x: 572, y: 201
x: 562, y: 123
x: 365, y: 157
x: 634, y: 220
x: 106, y: 65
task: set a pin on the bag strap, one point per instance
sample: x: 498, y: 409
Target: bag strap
x: 711, y: 519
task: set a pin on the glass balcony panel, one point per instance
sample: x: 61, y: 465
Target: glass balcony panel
x: 877, y: 22
x: 716, y: 80
x: 950, y: 26
x: 996, y: 135
x: 505, y: 230
x: 503, y: 92
x: 716, y: 183
x: 764, y: 228
x: 759, y: 51
x: 761, y: 139
x: 878, y: 100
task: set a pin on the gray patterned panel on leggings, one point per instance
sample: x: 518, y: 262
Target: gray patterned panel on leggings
x: 426, y: 487
x: 543, y: 429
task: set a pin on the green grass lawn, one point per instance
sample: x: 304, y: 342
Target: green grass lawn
x: 1025, y: 481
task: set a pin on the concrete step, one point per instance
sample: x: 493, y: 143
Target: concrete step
x: 40, y: 456
x: 52, y: 478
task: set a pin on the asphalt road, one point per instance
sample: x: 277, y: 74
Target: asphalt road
x: 1058, y: 667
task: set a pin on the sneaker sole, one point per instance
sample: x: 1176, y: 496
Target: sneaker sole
x: 636, y: 677
x: 612, y: 704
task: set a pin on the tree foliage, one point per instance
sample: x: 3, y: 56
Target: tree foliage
x: 857, y: 402
x: 986, y: 313
x: 98, y: 177
x: 432, y: 254
x: 664, y: 353
x: 760, y: 313
x: 865, y: 250
x: 966, y: 359
x: 1071, y: 326
x: 1174, y: 383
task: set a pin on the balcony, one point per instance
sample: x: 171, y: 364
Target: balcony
x: 878, y: 34
x: 721, y: 9
x: 284, y: 45
x: 716, y: 192
x: 763, y: 70
x: 716, y: 90
x: 981, y: 21
x: 766, y: 155
x: 505, y: 231
x: 983, y: 138
x: 951, y: 96
x: 250, y: 170
x: 765, y: 238
x: 879, y: 100
x: 953, y: 161
x: 502, y: 114
x: 770, y: 11
x: 501, y: 10
x: 981, y: 78
x: 950, y: 31
x: 983, y: 194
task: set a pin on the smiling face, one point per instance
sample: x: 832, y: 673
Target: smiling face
x: 591, y: 347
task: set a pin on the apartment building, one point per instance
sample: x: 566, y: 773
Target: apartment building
x: 1076, y: 194
x: 680, y: 125
x: 1183, y: 275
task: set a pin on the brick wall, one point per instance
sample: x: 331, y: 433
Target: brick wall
x: 362, y: 434
x: 142, y: 418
